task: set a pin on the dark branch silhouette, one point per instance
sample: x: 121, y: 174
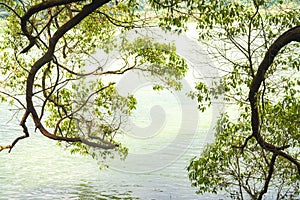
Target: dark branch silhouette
x: 47, y: 58
x: 292, y: 35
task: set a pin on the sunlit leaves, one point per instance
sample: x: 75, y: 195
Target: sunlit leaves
x: 223, y: 166
x: 202, y: 94
x: 71, y: 105
x: 238, y: 34
x: 157, y: 60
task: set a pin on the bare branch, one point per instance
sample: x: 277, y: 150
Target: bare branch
x: 268, y: 179
x: 10, y: 9
x: 13, y: 97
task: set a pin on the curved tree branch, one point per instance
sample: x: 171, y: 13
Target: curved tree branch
x: 33, y: 10
x: 289, y: 36
x: 46, y: 58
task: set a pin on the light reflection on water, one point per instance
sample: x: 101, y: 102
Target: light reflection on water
x: 38, y: 169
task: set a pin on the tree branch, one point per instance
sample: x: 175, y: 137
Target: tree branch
x: 46, y: 58
x: 268, y: 179
x: 289, y: 36
x: 33, y: 10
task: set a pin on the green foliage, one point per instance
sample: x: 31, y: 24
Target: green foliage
x: 222, y: 166
x: 202, y: 95
x: 237, y: 35
x: 69, y: 103
x: 157, y: 60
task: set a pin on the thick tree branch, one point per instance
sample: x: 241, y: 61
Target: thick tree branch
x: 25, y: 130
x: 33, y: 10
x: 88, y: 9
x: 289, y: 36
x: 46, y: 58
x: 268, y: 179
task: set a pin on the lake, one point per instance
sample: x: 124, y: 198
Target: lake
x: 155, y: 169
x: 162, y: 135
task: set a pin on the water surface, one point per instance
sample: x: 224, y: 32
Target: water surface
x: 38, y: 169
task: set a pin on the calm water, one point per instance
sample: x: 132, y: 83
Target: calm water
x: 155, y: 168
x: 163, y: 134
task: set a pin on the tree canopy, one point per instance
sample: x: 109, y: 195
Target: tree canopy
x: 44, y: 51
x: 254, y: 45
x: 256, y: 148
